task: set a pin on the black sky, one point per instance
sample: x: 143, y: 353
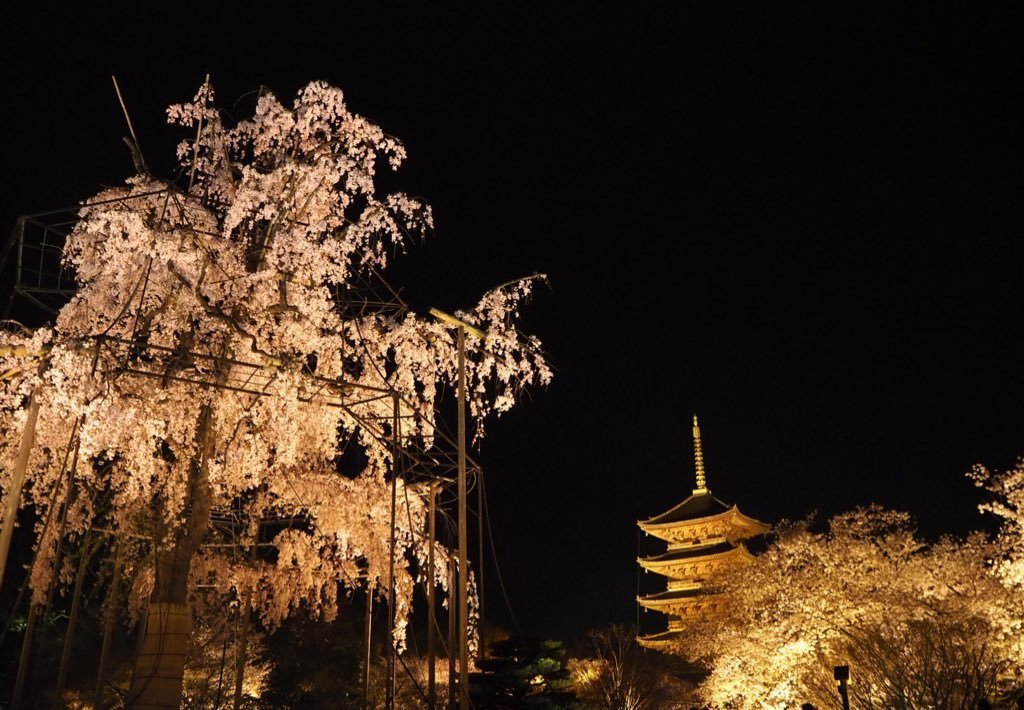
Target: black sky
x: 803, y: 225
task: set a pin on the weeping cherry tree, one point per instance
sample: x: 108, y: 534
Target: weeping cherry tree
x: 219, y: 378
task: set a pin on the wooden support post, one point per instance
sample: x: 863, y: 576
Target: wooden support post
x: 13, y: 498
x: 69, y: 636
x: 26, y: 651
x: 241, y: 650
x: 58, y: 557
x: 242, y: 644
x: 109, y: 618
x: 368, y: 643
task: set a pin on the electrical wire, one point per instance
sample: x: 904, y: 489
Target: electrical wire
x: 497, y: 567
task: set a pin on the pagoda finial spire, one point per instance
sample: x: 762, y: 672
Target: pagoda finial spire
x: 698, y: 458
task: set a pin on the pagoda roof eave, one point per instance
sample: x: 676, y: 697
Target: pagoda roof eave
x: 665, y: 602
x: 667, y: 560
x: 662, y: 639
x: 732, y: 511
x: 698, y: 503
x: 674, y: 595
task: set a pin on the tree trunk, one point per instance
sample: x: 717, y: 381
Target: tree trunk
x: 160, y: 665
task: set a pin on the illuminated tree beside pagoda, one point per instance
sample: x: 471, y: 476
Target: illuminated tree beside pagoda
x: 221, y: 375
x: 920, y: 625
x: 1007, y: 489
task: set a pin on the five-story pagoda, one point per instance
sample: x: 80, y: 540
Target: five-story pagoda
x: 704, y: 536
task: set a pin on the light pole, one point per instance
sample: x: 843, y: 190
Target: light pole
x: 463, y: 601
x: 431, y: 603
x: 842, y: 674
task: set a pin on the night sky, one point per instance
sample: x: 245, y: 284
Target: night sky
x: 804, y: 227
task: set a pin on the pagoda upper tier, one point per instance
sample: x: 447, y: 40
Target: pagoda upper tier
x: 702, y: 518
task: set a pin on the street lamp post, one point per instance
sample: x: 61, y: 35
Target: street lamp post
x: 842, y: 674
x: 431, y: 603
x: 463, y: 547
x: 463, y: 598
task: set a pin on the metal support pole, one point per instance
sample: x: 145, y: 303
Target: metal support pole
x: 431, y: 601
x: 463, y: 553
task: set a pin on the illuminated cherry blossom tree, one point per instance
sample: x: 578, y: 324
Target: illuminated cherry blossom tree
x: 1007, y: 489
x: 919, y: 625
x: 222, y: 397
